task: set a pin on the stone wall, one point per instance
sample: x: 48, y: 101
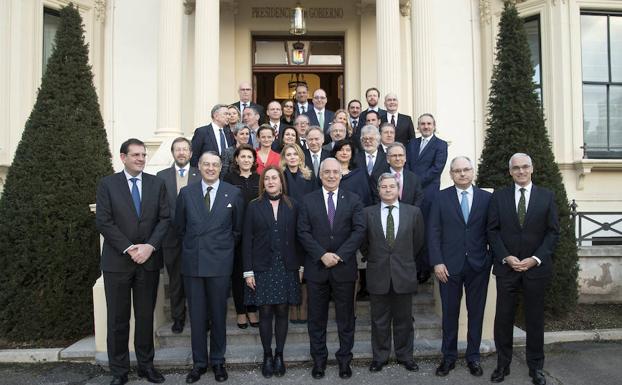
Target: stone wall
x: 600, y: 275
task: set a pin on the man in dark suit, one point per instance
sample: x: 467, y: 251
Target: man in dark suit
x: 336, y: 132
x: 301, y: 124
x: 331, y: 228
x: 373, y: 118
x: 372, y: 95
x: 245, y: 91
x: 315, y: 154
x: 458, y: 249
x: 404, y: 128
x: 410, y: 190
x: 394, y: 237
x: 302, y: 99
x: 354, y: 116
x: 387, y: 136
x: 209, y: 219
x: 133, y: 216
x: 523, y: 230
x: 370, y: 159
x: 216, y: 136
x: 179, y: 175
x: 319, y: 115
x: 426, y: 157
x: 251, y: 118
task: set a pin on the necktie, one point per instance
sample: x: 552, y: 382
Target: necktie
x: 464, y: 205
x: 316, y: 165
x: 354, y: 123
x: 522, y: 207
x: 276, y: 130
x: 223, y: 142
x: 393, y: 120
x: 424, y: 142
x: 390, y: 227
x: 136, y: 195
x: 320, y: 118
x: 208, y: 199
x: 303, y: 142
x: 397, y: 175
x: 244, y: 105
x: 181, y: 172
x: 302, y: 109
x: 370, y: 164
x: 331, y: 209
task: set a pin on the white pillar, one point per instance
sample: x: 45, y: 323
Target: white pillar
x: 169, y: 68
x: 206, y: 59
x: 388, y: 43
x: 424, y: 70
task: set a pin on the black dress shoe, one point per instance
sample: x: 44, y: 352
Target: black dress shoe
x: 267, y: 367
x: 279, y: 365
x: 475, y: 368
x: 410, y: 365
x: 444, y: 368
x: 119, y: 380
x: 220, y: 373
x: 344, y: 370
x: 151, y: 375
x: 376, y: 366
x: 178, y: 326
x: 195, y: 375
x: 537, y: 377
x: 498, y: 375
x: 318, y: 371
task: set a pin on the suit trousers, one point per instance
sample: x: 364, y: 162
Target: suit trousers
x: 508, y: 288
x: 475, y: 284
x: 319, y: 294
x: 207, y: 299
x: 120, y: 288
x: 172, y: 260
x: 388, y: 311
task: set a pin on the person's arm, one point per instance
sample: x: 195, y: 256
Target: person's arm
x: 105, y: 221
x: 197, y: 146
x: 159, y: 232
x: 546, y: 248
x: 358, y: 227
x: 305, y: 234
x: 436, y: 168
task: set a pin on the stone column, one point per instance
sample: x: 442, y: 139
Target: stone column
x: 424, y: 44
x: 206, y: 59
x: 169, y: 68
x: 388, y: 46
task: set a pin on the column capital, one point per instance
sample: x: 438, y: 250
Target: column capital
x: 189, y: 6
x: 405, y: 8
x: 100, y: 10
x: 485, y: 16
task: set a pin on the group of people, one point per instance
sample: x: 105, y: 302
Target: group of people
x: 287, y: 215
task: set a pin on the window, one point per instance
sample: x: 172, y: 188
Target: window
x: 601, y: 55
x: 532, y: 27
x: 51, y: 22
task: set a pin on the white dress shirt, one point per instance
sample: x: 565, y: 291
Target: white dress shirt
x: 469, y: 195
x: 216, y: 130
x: 517, y: 194
x: 139, y: 182
x: 212, y: 194
x: 384, y: 213
x: 335, y: 193
x: 305, y: 105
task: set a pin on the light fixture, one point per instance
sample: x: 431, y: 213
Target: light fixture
x: 297, y: 25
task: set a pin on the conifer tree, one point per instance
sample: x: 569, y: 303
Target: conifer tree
x: 49, y: 247
x: 516, y: 124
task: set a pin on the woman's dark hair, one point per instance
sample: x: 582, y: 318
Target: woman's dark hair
x: 282, y: 135
x: 262, y: 188
x: 234, y: 164
x: 339, y: 145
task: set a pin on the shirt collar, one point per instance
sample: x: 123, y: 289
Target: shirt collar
x: 393, y: 171
x: 384, y: 205
x: 128, y: 176
x: 186, y: 167
x: 469, y: 190
x: 214, y: 185
x: 325, y: 192
x: 373, y: 154
x: 527, y: 188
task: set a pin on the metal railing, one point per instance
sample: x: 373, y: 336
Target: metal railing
x: 597, y: 227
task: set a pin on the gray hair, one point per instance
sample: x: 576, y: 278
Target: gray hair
x: 330, y: 128
x: 218, y: 107
x: 316, y: 128
x: 451, y: 164
x: 519, y: 155
x: 211, y: 153
x: 388, y: 175
x: 429, y: 115
x: 385, y: 125
x: 324, y: 162
x: 239, y: 126
x: 252, y: 108
x: 396, y: 144
x: 302, y: 116
x: 370, y: 129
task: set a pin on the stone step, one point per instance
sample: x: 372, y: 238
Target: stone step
x: 427, y: 326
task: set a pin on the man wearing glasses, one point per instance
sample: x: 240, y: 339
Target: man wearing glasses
x: 245, y: 90
x: 319, y: 115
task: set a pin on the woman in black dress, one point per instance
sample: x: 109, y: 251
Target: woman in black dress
x: 354, y: 179
x: 272, y: 263
x: 244, y: 177
x: 287, y: 106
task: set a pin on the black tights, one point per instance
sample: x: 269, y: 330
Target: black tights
x: 280, y: 314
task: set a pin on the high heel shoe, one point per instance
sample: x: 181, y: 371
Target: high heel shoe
x: 243, y: 325
x: 253, y: 324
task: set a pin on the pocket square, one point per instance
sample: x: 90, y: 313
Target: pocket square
x: 229, y: 206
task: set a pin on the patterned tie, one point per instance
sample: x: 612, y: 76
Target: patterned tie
x: 316, y: 164
x: 393, y: 120
x: 370, y: 164
x: 424, y: 142
x: 181, y: 172
x: 302, y: 109
x: 320, y: 118
x: 397, y: 175
x: 464, y: 205
x: 522, y: 207
x: 136, y: 195
x: 354, y: 123
x: 331, y: 209
x: 390, y: 227
x: 223, y: 142
x: 207, y: 199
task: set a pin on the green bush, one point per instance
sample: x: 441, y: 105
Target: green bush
x: 516, y: 124
x: 49, y: 247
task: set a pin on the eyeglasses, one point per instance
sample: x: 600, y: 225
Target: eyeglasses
x: 288, y: 106
x: 461, y: 170
x: 524, y: 167
x: 319, y: 97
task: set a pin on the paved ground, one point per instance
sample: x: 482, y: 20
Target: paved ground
x: 573, y: 363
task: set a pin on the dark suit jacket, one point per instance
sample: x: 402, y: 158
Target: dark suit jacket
x: 169, y: 176
x: 393, y: 265
x: 328, y: 118
x: 428, y: 165
x: 360, y: 159
x: 404, y: 130
x: 453, y: 242
x: 363, y: 116
x: 257, y: 252
x: 204, y: 140
x: 209, y: 238
x: 538, y: 236
x: 117, y: 221
x: 309, y: 162
x: 259, y: 107
x: 343, y: 239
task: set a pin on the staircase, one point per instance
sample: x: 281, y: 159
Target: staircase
x: 244, y: 345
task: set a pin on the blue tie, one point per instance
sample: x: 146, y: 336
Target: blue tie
x: 464, y: 205
x: 135, y: 195
x: 181, y: 171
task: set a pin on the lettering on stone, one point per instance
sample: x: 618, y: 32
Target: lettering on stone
x: 284, y: 12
